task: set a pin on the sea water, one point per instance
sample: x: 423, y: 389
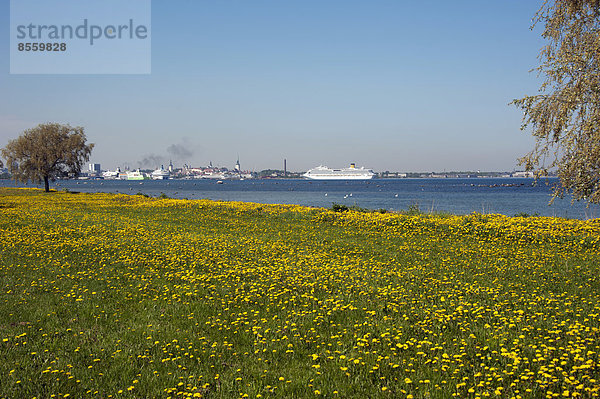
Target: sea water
x: 508, y: 196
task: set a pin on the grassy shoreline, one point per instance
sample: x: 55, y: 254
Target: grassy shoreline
x: 106, y: 295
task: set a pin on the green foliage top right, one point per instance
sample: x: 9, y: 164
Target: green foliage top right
x: 565, y: 116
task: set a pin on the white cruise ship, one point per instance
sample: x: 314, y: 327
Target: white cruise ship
x: 351, y: 173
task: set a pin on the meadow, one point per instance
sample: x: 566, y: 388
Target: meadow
x: 120, y: 296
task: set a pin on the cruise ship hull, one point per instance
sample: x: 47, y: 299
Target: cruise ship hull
x: 339, y: 177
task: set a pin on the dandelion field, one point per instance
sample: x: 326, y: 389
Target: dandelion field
x: 107, y: 295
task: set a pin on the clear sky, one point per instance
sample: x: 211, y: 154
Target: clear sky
x: 391, y: 85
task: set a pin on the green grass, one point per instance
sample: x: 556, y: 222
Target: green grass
x: 129, y: 296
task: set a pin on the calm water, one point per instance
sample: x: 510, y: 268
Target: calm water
x: 459, y: 196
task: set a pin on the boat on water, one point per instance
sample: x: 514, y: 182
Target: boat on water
x: 351, y: 173
x: 135, y: 175
x: 160, y: 174
x: 112, y: 175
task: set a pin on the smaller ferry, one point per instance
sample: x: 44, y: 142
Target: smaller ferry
x: 160, y: 174
x: 135, y: 175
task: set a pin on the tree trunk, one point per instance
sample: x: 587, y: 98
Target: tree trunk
x: 46, y: 184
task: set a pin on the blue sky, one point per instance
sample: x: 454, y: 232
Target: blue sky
x: 391, y: 85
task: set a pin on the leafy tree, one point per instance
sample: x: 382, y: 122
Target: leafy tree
x: 46, y: 152
x: 565, y: 116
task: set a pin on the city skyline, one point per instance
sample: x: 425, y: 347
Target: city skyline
x: 387, y: 85
x: 126, y: 166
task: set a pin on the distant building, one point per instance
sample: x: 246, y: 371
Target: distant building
x: 94, y: 167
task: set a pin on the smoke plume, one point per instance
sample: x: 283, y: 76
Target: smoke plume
x: 178, y: 153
